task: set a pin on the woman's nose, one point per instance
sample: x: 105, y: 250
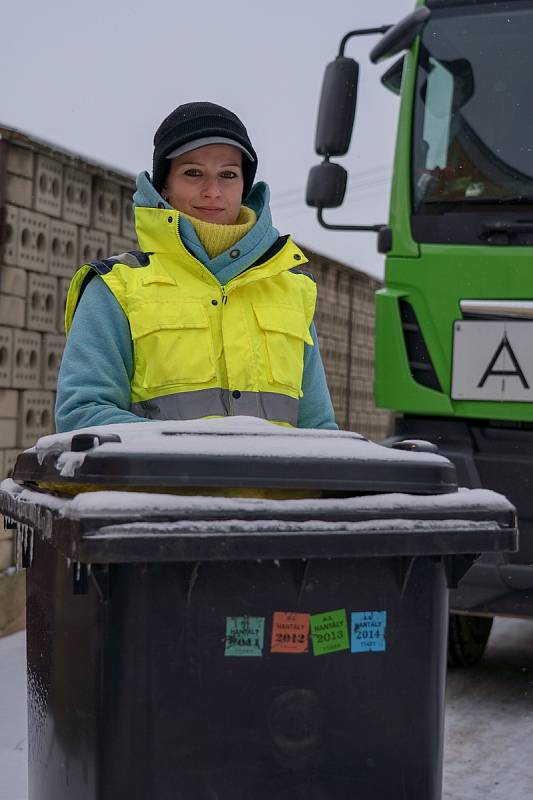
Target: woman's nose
x: 211, y: 187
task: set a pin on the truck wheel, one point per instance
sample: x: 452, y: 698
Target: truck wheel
x: 467, y: 639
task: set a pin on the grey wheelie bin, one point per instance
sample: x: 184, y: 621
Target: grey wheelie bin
x: 238, y: 611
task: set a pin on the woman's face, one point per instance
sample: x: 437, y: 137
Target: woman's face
x: 207, y: 183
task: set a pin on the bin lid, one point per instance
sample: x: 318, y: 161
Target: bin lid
x: 231, y: 452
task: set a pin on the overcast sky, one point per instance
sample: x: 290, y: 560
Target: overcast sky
x: 98, y: 77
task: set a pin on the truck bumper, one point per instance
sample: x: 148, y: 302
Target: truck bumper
x: 490, y: 457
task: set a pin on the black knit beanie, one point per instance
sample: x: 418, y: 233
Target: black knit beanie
x: 197, y: 121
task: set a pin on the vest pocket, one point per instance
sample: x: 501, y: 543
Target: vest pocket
x: 172, y: 344
x: 285, y: 329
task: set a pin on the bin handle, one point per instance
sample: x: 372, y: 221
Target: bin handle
x: 417, y: 445
x: 81, y: 442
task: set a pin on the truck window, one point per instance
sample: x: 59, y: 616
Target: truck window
x: 472, y: 123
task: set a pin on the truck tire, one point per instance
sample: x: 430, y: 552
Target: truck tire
x: 467, y: 639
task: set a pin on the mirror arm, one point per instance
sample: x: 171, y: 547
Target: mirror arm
x: 361, y: 32
x: 371, y: 228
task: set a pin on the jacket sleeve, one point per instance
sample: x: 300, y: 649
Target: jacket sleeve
x: 94, y: 379
x: 315, y: 409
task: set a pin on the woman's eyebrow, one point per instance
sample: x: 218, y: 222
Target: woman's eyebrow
x: 199, y: 164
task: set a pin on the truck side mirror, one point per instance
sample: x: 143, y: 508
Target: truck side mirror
x: 336, y: 111
x: 326, y: 185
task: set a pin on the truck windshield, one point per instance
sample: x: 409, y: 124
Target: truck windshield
x: 473, y: 110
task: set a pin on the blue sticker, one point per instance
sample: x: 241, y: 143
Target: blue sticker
x: 368, y: 631
x: 244, y: 636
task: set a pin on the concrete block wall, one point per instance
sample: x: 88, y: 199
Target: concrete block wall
x: 57, y: 211
x: 345, y: 324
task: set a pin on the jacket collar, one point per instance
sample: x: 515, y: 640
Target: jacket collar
x: 158, y: 231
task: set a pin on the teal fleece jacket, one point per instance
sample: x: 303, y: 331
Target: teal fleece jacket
x: 94, y: 378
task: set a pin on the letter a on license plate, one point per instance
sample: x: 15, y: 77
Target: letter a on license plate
x: 493, y: 361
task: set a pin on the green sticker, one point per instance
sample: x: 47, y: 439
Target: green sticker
x: 244, y: 636
x: 329, y: 632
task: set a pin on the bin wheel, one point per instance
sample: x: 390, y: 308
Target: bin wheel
x: 467, y: 639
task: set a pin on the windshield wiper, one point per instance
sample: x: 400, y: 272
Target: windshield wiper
x: 501, y: 201
x: 479, y: 201
x: 507, y: 228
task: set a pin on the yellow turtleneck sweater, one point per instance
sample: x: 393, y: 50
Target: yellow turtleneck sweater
x: 216, y: 238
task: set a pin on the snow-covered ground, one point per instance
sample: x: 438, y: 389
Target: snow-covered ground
x: 488, y: 751
x: 489, y: 742
x: 13, y: 728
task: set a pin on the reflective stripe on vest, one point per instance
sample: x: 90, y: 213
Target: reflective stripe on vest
x: 219, y: 403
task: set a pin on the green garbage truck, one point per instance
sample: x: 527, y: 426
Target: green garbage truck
x: 454, y: 321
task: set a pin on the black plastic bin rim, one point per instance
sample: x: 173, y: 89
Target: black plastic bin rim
x: 467, y: 530
x: 159, y: 543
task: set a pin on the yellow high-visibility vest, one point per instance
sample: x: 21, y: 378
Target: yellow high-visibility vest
x: 202, y: 349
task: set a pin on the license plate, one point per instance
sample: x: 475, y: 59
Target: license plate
x: 492, y: 361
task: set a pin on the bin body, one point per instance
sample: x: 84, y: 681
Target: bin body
x: 132, y: 694
x: 213, y: 648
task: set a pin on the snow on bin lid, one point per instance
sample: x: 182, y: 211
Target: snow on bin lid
x: 463, y: 504
x: 475, y: 504
x: 231, y: 452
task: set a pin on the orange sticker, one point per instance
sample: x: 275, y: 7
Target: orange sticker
x: 290, y: 633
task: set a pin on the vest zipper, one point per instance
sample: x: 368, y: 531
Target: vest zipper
x: 224, y: 296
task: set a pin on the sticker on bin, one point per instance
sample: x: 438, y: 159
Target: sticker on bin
x: 290, y: 632
x: 329, y: 632
x: 368, y: 631
x: 244, y: 636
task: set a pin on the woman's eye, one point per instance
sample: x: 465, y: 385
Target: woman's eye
x: 193, y: 173
x: 228, y: 173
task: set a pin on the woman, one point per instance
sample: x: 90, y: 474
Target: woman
x: 213, y: 316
